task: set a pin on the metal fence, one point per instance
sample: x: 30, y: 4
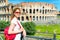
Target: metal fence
x: 35, y: 37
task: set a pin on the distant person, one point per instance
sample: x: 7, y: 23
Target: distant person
x: 14, y: 27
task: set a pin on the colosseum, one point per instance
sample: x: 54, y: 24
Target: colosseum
x: 31, y: 11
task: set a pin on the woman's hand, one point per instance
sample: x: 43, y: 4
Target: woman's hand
x: 21, y: 30
x: 24, y: 33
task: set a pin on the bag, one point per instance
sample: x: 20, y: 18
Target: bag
x: 8, y: 36
x: 21, y: 35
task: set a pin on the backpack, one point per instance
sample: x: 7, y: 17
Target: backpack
x: 8, y: 36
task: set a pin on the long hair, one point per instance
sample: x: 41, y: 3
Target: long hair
x: 12, y: 14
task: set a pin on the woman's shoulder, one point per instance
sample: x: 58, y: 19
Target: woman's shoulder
x: 14, y: 20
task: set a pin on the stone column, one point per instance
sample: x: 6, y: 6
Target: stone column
x: 28, y: 10
x: 44, y: 17
x: 24, y: 17
x: 6, y: 18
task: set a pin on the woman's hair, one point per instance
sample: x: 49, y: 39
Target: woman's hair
x: 12, y: 15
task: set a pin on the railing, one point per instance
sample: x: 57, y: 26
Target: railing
x: 40, y: 37
x: 35, y: 37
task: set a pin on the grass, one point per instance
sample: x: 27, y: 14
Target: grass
x: 58, y: 16
x: 2, y: 36
x: 51, y: 28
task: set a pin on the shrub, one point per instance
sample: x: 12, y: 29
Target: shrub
x: 29, y: 27
x: 3, y: 24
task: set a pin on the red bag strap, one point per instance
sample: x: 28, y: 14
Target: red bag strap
x: 18, y: 24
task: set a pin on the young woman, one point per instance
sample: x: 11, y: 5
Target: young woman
x: 14, y: 27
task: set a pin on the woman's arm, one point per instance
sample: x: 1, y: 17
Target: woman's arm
x: 24, y: 32
x: 11, y: 31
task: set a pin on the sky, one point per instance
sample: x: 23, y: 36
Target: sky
x: 55, y: 2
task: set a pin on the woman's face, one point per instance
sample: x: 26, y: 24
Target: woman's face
x: 17, y: 13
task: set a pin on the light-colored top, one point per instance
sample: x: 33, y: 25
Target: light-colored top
x: 14, y: 21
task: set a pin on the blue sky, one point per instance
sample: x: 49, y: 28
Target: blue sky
x: 55, y: 2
